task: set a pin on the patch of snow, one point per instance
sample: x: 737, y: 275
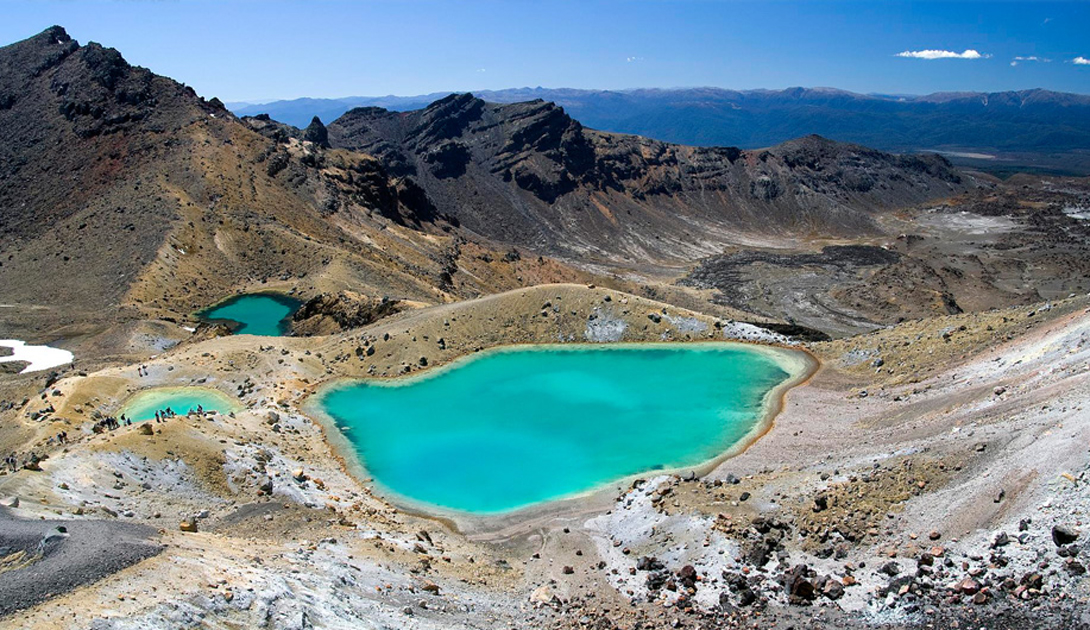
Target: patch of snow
x: 38, y: 357
x: 1081, y: 213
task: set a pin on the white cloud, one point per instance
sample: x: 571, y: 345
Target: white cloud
x: 481, y: 70
x: 1018, y: 60
x: 631, y: 59
x: 941, y: 54
x: 1081, y: 61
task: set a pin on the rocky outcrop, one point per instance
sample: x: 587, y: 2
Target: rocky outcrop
x: 331, y: 313
x: 316, y: 133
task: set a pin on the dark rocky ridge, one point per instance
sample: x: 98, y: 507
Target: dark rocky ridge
x: 528, y: 173
x: 72, y: 117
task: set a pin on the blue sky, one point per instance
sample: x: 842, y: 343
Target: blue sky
x: 262, y: 50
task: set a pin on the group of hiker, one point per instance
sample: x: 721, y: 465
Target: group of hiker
x: 161, y: 415
x: 13, y: 462
x: 109, y: 423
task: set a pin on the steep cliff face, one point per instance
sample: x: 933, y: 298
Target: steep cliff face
x: 528, y: 173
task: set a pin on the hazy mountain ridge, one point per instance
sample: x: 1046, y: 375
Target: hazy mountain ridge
x: 1017, y: 121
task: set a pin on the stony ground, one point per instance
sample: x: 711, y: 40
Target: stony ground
x: 931, y: 474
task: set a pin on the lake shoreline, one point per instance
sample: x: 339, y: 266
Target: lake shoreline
x: 799, y: 364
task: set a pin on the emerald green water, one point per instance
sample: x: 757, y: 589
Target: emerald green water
x: 267, y: 314
x: 513, y: 428
x: 143, y: 405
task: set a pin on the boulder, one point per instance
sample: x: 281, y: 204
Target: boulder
x: 834, y: 589
x: 188, y: 525
x: 968, y: 586
x: 1064, y: 535
x: 687, y: 576
x: 800, y: 590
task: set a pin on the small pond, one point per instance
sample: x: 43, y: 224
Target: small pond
x: 143, y: 405
x: 265, y: 314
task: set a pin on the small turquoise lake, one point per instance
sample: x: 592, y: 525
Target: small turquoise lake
x: 266, y: 314
x: 143, y: 405
x: 512, y: 428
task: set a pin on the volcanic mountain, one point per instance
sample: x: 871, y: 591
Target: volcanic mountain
x: 123, y: 193
x: 528, y: 173
x: 122, y: 189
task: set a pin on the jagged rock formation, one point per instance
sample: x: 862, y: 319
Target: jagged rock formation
x: 316, y: 133
x: 527, y: 173
x: 330, y: 313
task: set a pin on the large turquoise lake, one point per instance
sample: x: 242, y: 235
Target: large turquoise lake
x: 267, y: 314
x: 512, y: 428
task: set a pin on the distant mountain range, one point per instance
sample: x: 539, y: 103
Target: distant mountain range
x: 1000, y: 125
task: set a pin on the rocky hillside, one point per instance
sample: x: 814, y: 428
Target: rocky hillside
x: 528, y: 173
x: 123, y: 193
